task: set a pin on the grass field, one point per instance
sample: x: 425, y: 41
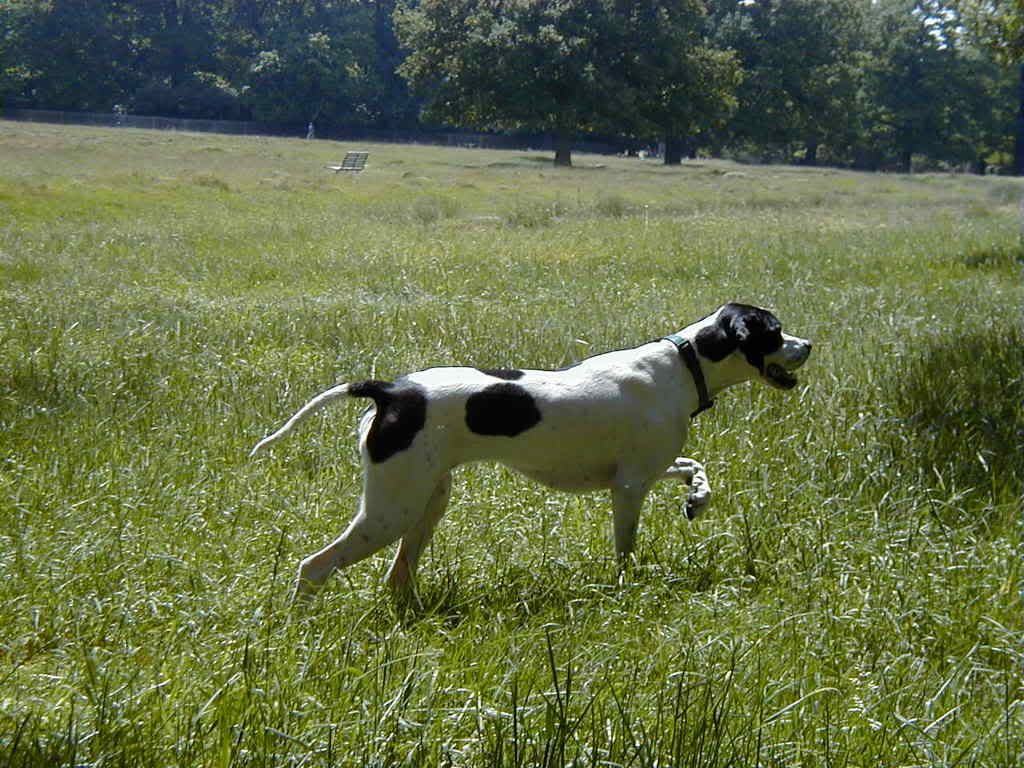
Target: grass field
x: 851, y: 598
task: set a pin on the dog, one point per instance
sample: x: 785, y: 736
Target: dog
x: 614, y: 421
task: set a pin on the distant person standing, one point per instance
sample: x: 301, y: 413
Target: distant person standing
x: 310, y: 133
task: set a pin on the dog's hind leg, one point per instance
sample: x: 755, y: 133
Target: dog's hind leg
x: 389, y: 507
x: 401, y: 576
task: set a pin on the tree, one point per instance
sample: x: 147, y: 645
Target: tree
x: 528, y: 64
x: 907, y: 81
x: 280, y: 61
x: 15, y: 73
x: 395, y: 104
x: 800, y: 72
x: 178, y: 47
x: 928, y: 94
x: 568, y: 66
x: 987, y: 114
x: 999, y: 26
x: 307, y: 60
x: 676, y: 85
x: 68, y: 54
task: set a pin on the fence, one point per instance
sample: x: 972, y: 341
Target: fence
x: 248, y: 128
x: 116, y: 120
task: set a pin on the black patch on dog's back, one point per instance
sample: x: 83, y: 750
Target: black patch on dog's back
x: 501, y: 409
x: 508, y: 374
x: 401, y: 414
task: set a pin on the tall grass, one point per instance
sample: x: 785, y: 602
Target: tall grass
x: 851, y: 598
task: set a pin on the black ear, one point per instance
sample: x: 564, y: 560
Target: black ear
x: 719, y: 340
x: 742, y: 327
x: 748, y: 329
x: 716, y: 342
x: 757, y: 332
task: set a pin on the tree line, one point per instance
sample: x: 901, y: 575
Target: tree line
x: 873, y: 84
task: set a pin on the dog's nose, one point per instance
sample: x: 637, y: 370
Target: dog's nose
x: 800, y: 351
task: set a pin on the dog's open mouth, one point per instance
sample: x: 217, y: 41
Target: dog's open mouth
x: 779, y: 376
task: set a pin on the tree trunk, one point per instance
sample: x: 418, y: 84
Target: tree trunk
x: 177, y: 60
x: 563, y: 150
x: 387, y: 60
x: 810, y: 153
x: 674, y: 149
x: 906, y: 160
x: 1018, y: 150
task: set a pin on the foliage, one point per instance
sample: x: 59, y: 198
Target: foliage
x: 999, y: 24
x: 567, y: 67
x: 916, y: 81
x: 288, y: 62
x: 863, y: 83
x: 530, y: 65
x: 674, y: 84
x: 801, y: 64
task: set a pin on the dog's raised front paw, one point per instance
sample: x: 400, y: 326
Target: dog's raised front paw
x: 692, y: 473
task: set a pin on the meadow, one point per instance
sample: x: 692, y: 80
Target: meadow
x: 851, y: 597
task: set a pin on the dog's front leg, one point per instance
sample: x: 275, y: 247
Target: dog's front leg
x: 692, y: 473
x: 627, y: 500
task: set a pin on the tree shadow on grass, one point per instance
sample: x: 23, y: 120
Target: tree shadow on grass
x: 958, y: 404
x: 996, y: 257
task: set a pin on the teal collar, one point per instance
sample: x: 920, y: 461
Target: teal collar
x: 689, y: 357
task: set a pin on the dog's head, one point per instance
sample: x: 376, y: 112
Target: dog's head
x: 755, y: 336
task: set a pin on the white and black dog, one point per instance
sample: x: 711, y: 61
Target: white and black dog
x: 615, y: 421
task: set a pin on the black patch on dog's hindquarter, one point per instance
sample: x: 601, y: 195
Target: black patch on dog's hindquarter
x: 501, y: 409
x: 508, y: 374
x: 401, y: 414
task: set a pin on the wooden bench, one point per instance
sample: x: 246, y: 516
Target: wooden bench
x: 354, y: 161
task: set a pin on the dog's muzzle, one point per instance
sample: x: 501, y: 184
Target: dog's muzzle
x: 778, y: 369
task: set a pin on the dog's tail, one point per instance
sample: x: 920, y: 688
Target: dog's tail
x: 314, y: 405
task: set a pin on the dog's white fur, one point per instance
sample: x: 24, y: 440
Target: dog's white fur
x: 615, y: 421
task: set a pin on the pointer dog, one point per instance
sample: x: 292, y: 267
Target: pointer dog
x: 614, y: 421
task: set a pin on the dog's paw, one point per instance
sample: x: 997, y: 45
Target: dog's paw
x: 700, y: 490
x: 697, y: 501
x: 683, y: 469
